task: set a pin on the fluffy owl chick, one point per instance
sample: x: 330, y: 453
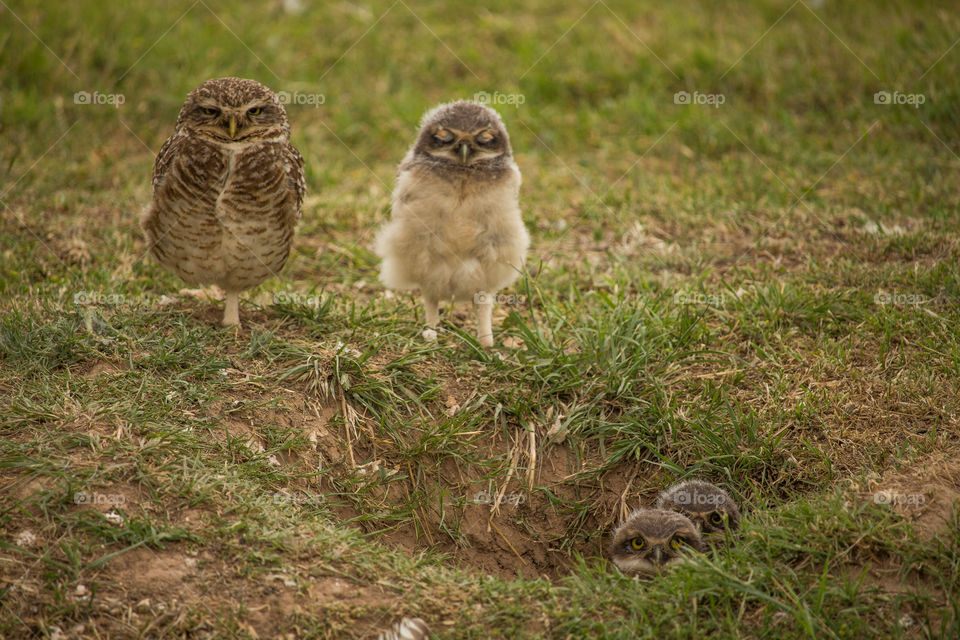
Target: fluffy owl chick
x: 227, y: 190
x: 455, y: 230
x: 407, y: 629
x: 651, y: 539
x: 708, y: 506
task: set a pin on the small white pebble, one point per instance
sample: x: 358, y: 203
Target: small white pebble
x: 25, y: 538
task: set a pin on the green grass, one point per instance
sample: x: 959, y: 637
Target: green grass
x: 763, y: 294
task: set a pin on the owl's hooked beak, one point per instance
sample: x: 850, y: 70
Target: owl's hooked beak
x: 233, y: 126
x: 464, y: 152
x: 658, y: 555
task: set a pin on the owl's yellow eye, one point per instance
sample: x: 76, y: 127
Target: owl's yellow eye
x: 255, y: 111
x: 209, y: 111
x: 485, y: 137
x: 676, y: 543
x: 638, y: 543
x: 716, y: 518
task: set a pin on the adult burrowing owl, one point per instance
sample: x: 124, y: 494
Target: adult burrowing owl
x: 456, y: 230
x: 227, y: 190
x: 651, y: 539
x: 710, y: 508
x: 407, y: 629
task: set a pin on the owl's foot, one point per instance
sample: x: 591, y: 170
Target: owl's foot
x: 231, y: 311
x: 430, y: 335
x: 484, y: 322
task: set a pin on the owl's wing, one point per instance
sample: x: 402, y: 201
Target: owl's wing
x: 293, y: 162
x: 168, y: 152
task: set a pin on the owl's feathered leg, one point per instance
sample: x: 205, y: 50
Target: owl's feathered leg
x: 484, y: 323
x: 231, y: 310
x: 431, y: 310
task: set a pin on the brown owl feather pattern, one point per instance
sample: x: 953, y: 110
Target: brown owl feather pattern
x: 227, y: 190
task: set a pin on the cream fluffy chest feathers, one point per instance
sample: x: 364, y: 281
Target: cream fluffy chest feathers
x: 456, y: 231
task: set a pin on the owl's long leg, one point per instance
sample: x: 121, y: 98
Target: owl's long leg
x: 484, y: 322
x: 231, y: 310
x: 431, y: 310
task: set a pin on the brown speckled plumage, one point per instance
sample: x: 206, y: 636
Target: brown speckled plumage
x: 708, y: 506
x: 226, y: 203
x: 650, y: 540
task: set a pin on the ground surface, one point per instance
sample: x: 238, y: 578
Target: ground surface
x: 756, y: 286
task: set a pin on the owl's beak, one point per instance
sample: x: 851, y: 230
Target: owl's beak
x: 464, y: 152
x: 233, y: 126
x: 658, y: 555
